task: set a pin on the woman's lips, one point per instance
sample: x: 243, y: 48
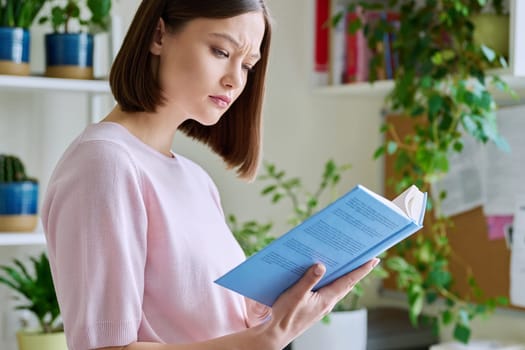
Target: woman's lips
x: 221, y: 101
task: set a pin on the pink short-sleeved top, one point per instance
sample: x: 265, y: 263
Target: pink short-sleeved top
x: 135, y: 241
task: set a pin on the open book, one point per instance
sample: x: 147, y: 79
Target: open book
x: 344, y: 235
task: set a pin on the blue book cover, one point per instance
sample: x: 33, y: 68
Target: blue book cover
x: 387, y: 50
x: 344, y: 235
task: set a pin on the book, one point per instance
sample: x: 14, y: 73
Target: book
x: 391, y: 56
x: 322, y: 41
x: 376, y: 53
x: 337, y: 47
x: 357, y: 51
x: 387, y: 50
x: 344, y: 235
x: 352, y: 47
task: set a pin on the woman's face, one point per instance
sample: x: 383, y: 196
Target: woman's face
x: 203, y: 68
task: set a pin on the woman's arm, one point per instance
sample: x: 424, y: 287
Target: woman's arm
x: 296, y: 310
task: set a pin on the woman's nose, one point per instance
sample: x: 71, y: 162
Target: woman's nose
x: 233, y: 79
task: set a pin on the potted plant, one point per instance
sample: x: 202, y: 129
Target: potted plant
x: 442, y: 85
x: 346, y: 327
x: 16, y: 16
x: 37, y: 291
x: 69, y: 49
x: 348, y: 323
x: 18, y: 196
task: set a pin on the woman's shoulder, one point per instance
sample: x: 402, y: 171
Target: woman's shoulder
x: 102, y: 143
x: 106, y: 132
x: 192, y: 167
x: 96, y: 150
x: 113, y: 142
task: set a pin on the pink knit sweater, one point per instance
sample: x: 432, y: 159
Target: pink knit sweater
x: 135, y: 241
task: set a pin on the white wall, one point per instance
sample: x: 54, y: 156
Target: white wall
x: 303, y: 129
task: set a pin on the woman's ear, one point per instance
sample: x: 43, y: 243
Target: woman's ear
x: 158, y: 38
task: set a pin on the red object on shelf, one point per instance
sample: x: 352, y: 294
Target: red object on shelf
x: 351, y: 52
x: 322, y: 13
x: 357, y: 52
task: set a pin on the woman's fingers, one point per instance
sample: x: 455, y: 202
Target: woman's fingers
x: 298, y: 308
x: 340, y: 287
x: 312, y: 276
x: 336, y: 289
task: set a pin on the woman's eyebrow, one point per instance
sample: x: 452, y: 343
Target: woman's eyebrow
x: 234, y: 42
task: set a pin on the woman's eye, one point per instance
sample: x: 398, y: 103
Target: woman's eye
x: 248, y: 68
x: 219, y: 52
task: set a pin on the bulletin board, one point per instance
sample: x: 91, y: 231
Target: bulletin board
x: 489, y: 260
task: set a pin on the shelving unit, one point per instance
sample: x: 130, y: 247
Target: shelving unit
x: 23, y: 238
x: 514, y: 75
x: 382, y: 87
x: 38, y: 83
x: 93, y: 89
x: 19, y: 239
x: 378, y: 88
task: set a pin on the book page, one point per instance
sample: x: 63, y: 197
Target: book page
x: 411, y: 202
x: 399, y: 209
x: 408, y: 203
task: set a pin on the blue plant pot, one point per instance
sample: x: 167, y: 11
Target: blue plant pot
x: 69, y: 55
x: 14, y: 51
x: 18, y: 198
x: 18, y: 206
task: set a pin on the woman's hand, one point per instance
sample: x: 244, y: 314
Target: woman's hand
x: 298, y: 308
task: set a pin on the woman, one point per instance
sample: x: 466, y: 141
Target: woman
x: 135, y: 232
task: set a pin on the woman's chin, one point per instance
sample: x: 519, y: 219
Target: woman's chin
x: 207, y: 121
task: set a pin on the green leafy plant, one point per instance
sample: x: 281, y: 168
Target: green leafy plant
x: 12, y: 169
x: 497, y: 5
x: 62, y: 16
x: 442, y: 84
x: 19, y: 13
x: 253, y: 235
x: 37, y: 290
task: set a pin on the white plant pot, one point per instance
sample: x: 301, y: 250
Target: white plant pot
x: 346, y: 331
x: 40, y: 341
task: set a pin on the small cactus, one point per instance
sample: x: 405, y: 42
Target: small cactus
x: 12, y: 169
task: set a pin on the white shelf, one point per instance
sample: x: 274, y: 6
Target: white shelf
x: 381, y: 88
x: 18, y: 239
x: 37, y: 83
x: 378, y: 88
x: 36, y: 237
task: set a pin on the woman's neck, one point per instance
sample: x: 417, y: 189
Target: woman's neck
x: 154, y: 129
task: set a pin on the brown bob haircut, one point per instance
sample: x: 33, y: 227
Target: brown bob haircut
x: 135, y: 86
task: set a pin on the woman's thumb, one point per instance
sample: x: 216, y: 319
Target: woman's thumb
x: 311, y: 278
